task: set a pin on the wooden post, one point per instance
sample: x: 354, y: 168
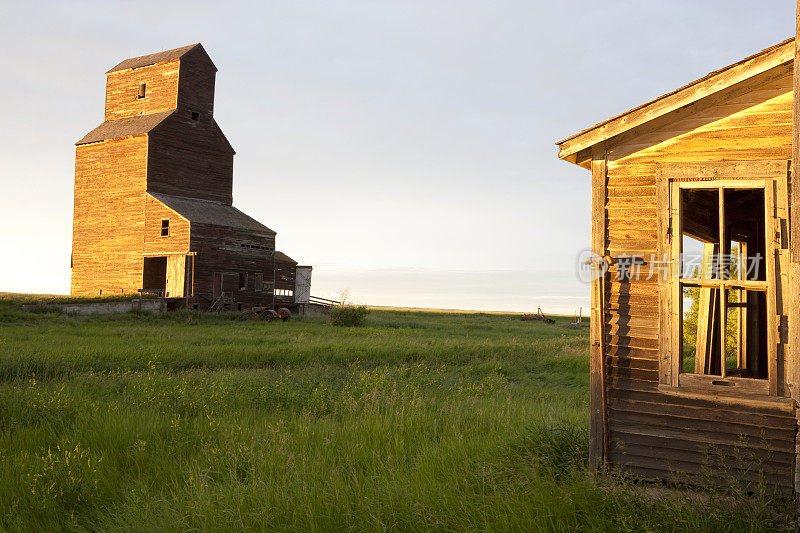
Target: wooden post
x: 741, y: 312
x: 598, y: 437
x: 794, y: 247
x: 705, y: 313
x: 795, y: 187
x: 664, y: 251
x: 771, y: 250
x: 722, y: 266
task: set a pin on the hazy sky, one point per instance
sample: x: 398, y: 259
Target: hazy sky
x: 403, y: 148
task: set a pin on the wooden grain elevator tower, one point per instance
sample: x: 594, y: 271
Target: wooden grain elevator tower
x: 154, y: 192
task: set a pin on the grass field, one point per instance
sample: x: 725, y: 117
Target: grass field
x: 416, y: 421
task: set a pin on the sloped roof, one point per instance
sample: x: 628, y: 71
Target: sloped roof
x: 152, y: 59
x: 711, y: 83
x: 282, y: 257
x: 123, y: 127
x: 210, y: 212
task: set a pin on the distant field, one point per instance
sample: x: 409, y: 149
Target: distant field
x: 466, y: 311
x: 416, y: 421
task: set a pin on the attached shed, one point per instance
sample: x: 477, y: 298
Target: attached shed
x: 292, y: 282
x: 694, y: 327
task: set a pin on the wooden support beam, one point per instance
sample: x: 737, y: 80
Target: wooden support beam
x: 674, y: 304
x: 741, y: 311
x: 722, y: 264
x: 794, y: 253
x: 794, y: 185
x: 705, y: 313
x: 772, y: 318
x: 598, y: 433
x: 664, y: 245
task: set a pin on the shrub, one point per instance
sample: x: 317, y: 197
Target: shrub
x: 348, y: 315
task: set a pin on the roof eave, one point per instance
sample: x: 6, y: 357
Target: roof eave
x: 697, y: 90
x: 147, y: 61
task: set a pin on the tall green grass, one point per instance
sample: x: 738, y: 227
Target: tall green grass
x: 416, y: 421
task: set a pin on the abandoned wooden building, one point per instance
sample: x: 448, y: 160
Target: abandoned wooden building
x: 154, y: 192
x: 695, y: 341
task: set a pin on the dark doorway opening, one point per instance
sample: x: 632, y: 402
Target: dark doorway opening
x: 155, y: 273
x: 217, y: 288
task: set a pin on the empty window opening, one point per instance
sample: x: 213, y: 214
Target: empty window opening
x: 284, y: 292
x: 723, y: 282
x: 195, y: 116
x: 154, y: 274
x: 165, y: 227
x: 242, y: 281
x: 255, y: 247
x: 142, y: 90
x: 258, y: 281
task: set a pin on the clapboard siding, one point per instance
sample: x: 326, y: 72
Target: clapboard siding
x: 285, y: 274
x: 656, y: 434
x: 190, y: 158
x: 107, y: 224
x: 122, y: 90
x: 180, y: 168
x: 177, y: 242
x: 219, y: 250
x: 196, y: 83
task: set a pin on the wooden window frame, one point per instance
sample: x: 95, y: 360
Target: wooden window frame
x: 165, y: 227
x: 671, y: 180
x: 142, y: 94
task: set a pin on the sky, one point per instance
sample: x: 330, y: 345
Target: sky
x: 403, y: 148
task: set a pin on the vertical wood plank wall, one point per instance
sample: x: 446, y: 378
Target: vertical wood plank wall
x: 176, y: 271
x: 654, y: 433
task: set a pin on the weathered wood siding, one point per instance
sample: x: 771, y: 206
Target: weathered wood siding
x: 196, y: 84
x: 220, y: 250
x: 108, y: 223
x: 179, y: 229
x: 188, y: 158
x: 191, y: 157
x: 656, y: 434
x: 285, y: 274
x: 122, y: 90
x: 117, y: 224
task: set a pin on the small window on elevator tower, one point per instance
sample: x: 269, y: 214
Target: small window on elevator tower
x: 195, y: 116
x: 165, y: 227
x: 142, y: 90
